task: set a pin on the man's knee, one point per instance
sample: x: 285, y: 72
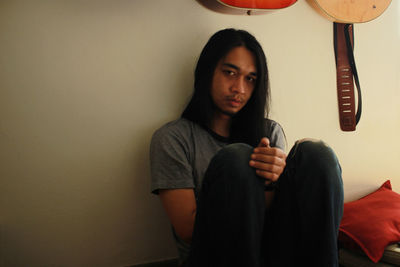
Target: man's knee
x: 232, y: 163
x: 315, y: 156
x: 314, y: 152
x: 235, y: 154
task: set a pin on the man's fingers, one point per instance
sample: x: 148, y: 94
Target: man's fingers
x: 268, y: 151
x: 270, y: 176
x: 262, y: 166
x: 269, y: 159
x: 269, y: 162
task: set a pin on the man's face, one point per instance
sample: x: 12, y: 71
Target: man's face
x: 233, y: 81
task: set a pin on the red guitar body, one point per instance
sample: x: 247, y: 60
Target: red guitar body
x: 258, y: 4
x: 249, y: 7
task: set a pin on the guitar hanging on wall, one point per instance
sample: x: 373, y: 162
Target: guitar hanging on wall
x: 344, y: 14
x: 249, y: 7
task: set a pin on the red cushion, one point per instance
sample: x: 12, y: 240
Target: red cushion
x: 372, y: 222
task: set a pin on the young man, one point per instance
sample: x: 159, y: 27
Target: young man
x: 230, y: 192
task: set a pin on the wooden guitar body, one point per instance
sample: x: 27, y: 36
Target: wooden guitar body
x: 350, y: 11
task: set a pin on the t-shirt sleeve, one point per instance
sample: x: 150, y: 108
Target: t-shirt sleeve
x: 277, y: 135
x: 170, y: 161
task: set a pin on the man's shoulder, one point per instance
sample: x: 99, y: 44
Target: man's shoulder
x: 270, y: 122
x: 180, y: 123
x: 179, y: 126
x: 181, y: 131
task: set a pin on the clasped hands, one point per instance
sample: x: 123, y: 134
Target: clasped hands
x: 268, y: 161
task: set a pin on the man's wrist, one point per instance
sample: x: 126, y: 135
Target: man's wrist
x: 270, y: 187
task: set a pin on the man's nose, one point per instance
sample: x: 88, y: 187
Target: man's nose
x: 239, y: 85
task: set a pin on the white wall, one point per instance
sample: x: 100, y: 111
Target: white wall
x: 83, y: 85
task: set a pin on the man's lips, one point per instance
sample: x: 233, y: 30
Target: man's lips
x: 234, y: 101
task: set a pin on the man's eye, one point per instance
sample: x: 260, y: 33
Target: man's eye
x: 251, y: 79
x: 229, y: 72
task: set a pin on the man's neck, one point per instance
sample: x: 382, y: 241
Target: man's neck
x: 220, y: 124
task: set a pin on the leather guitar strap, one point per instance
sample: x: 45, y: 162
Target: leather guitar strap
x: 345, y: 71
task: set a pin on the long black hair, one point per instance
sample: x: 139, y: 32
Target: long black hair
x: 249, y: 124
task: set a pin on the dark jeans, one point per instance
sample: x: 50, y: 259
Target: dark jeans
x: 233, y: 228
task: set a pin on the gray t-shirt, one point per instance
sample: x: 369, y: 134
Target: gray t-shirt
x: 180, y: 152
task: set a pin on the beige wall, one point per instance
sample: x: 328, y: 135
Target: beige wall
x: 83, y: 85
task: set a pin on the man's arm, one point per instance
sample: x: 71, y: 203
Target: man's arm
x: 180, y: 206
